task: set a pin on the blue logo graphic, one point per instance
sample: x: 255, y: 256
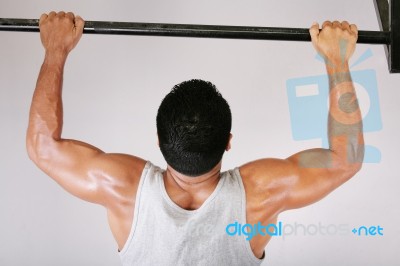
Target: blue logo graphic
x: 368, y: 231
x: 250, y: 230
x: 308, y: 106
x: 299, y: 229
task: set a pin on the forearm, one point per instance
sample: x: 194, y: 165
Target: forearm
x: 46, y: 114
x: 345, y: 129
x: 317, y: 172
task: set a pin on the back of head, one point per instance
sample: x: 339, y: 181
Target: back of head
x: 193, y: 123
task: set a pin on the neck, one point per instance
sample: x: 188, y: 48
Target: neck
x: 190, y: 192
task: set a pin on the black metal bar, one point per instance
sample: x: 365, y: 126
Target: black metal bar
x: 394, y: 48
x: 187, y: 30
x: 382, y: 10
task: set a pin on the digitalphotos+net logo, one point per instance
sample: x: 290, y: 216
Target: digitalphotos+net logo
x: 299, y: 229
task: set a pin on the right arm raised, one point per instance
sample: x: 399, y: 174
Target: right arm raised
x: 310, y: 175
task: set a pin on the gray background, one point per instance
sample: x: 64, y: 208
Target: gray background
x: 113, y: 86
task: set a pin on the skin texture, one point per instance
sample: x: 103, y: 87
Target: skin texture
x: 272, y: 185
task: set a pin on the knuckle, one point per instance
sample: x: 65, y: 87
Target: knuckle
x: 346, y: 32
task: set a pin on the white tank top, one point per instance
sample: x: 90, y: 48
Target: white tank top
x: 163, y: 233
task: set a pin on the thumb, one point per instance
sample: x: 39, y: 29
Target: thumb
x: 314, y: 32
x: 79, y: 24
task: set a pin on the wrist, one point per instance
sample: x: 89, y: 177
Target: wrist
x: 338, y: 66
x: 56, y: 58
x: 338, y: 72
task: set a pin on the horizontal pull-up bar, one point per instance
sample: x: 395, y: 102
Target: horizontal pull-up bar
x: 188, y: 30
x: 389, y: 16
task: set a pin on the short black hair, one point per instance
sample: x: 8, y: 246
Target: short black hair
x: 194, y: 123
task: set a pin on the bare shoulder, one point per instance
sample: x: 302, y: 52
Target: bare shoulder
x: 122, y: 166
x: 120, y: 177
x: 269, y: 171
x: 267, y: 182
x: 121, y: 174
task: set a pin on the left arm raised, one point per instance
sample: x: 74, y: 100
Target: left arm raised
x: 82, y: 169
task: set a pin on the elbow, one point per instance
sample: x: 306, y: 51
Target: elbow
x: 348, y: 166
x: 355, y: 158
x: 355, y: 168
x: 359, y: 158
x: 39, y: 148
x: 345, y: 172
x: 31, y: 148
x: 351, y: 167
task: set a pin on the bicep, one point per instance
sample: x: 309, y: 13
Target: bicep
x: 84, y: 170
x: 299, y: 180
